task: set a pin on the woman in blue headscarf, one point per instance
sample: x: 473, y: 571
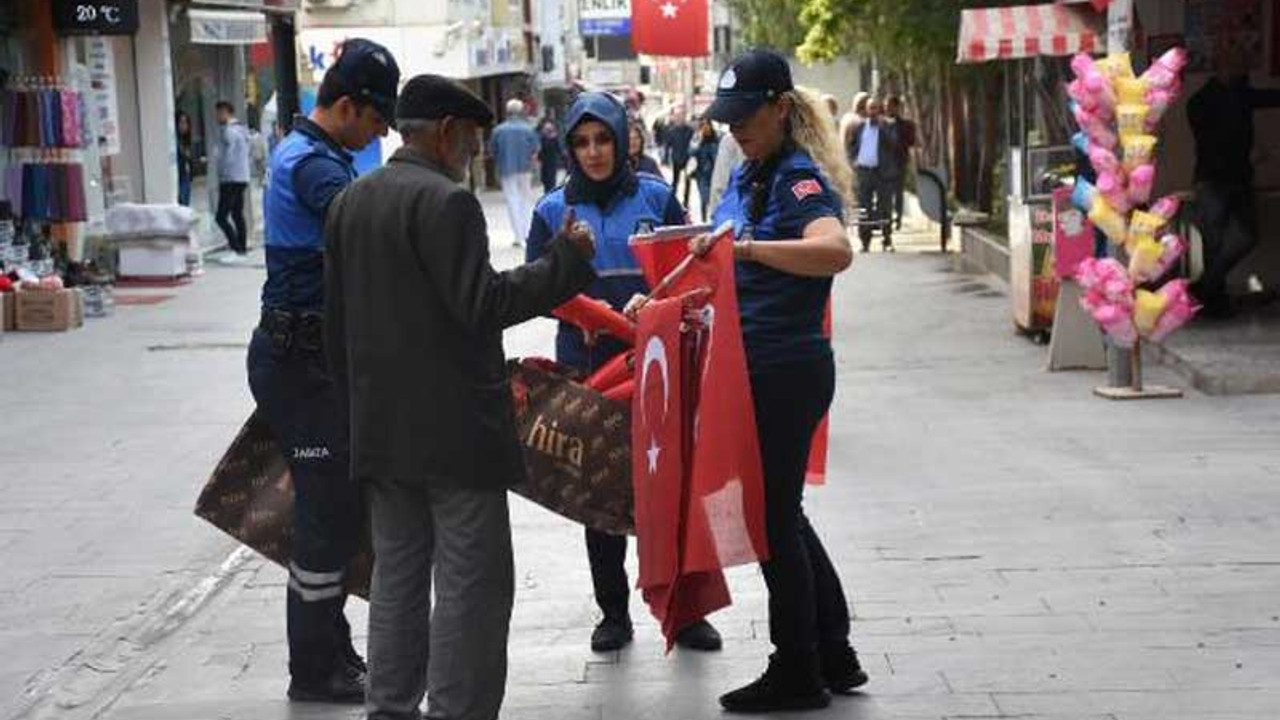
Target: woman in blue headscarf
x: 606, y: 193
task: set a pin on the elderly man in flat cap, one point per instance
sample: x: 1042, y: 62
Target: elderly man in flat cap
x: 414, y: 316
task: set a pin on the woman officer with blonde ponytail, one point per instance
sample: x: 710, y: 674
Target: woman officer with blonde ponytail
x: 786, y: 202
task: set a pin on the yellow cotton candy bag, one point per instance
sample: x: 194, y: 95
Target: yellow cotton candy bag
x: 1138, y: 149
x: 1144, y: 259
x: 1131, y: 91
x: 1105, y: 218
x: 1145, y: 223
x: 1147, y: 309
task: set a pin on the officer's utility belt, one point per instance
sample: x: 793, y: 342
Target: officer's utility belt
x: 293, y: 330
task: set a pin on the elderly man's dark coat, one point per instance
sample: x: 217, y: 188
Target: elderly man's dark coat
x: 414, y: 315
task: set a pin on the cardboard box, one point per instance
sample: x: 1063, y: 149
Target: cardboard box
x: 8, y: 312
x: 49, y: 310
x: 155, y: 258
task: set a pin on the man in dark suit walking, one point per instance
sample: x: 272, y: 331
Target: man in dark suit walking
x: 873, y: 155
x: 414, y: 317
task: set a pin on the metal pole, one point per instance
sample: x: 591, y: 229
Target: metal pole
x: 1121, y: 364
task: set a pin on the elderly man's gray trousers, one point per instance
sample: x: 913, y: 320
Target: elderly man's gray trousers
x: 456, y: 655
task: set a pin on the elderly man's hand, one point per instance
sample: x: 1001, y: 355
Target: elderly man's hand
x: 578, y: 234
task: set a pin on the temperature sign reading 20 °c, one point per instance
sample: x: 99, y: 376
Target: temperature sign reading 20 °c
x: 95, y: 17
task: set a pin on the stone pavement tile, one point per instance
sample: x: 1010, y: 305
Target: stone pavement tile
x: 1129, y: 705
x: 1040, y: 669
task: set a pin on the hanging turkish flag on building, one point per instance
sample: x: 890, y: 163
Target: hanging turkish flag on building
x: 675, y: 28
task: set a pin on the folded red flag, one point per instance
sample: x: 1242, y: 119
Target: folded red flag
x: 595, y: 316
x: 611, y: 373
x: 621, y: 392
x: 661, y: 251
x: 817, y: 471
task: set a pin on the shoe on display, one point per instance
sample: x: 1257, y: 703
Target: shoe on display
x: 700, y: 636
x: 785, y: 685
x: 612, y: 634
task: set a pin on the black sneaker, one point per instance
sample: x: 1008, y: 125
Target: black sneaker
x: 700, y: 636
x: 841, y: 670
x: 612, y: 634
x: 354, y: 662
x: 785, y: 685
x: 343, y: 687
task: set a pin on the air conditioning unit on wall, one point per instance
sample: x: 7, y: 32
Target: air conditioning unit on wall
x: 329, y: 4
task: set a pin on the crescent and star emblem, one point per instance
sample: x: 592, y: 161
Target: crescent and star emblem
x: 655, y: 353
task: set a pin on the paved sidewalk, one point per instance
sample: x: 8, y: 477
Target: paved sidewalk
x: 1014, y: 547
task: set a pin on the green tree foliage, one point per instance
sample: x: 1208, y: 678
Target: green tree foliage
x: 914, y: 44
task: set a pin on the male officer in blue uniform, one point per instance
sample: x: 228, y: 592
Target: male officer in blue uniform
x: 289, y: 377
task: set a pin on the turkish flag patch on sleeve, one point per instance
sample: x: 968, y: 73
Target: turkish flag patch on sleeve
x: 805, y: 188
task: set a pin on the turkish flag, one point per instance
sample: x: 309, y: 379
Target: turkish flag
x: 720, y: 514
x: 675, y: 28
x: 659, y: 253
x: 725, y: 516
x: 657, y: 450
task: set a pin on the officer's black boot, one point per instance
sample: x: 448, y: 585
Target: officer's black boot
x: 700, y: 636
x: 342, y: 686
x: 613, y: 633
x: 841, y: 669
x: 793, y: 683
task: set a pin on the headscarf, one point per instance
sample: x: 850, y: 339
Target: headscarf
x: 606, y: 109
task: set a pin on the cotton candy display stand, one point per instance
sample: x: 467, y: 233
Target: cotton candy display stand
x: 1119, y: 113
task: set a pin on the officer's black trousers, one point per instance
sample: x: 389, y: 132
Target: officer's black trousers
x: 608, y: 555
x: 297, y: 398
x: 807, y: 607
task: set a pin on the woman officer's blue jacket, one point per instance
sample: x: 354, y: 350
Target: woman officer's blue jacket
x: 615, y: 209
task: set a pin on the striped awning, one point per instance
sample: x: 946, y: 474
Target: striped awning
x: 1006, y: 33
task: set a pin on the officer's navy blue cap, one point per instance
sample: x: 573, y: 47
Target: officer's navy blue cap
x: 432, y: 97
x: 751, y: 80
x: 369, y: 71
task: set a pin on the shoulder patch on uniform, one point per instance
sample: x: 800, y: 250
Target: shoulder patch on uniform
x: 805, y: 188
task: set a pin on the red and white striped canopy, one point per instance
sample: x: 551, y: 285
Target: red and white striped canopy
x: 1006, y: 33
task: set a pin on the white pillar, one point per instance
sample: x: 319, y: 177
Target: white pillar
x: 155, y: 104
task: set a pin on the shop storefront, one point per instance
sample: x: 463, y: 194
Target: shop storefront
x: 240, y: 51
x: 71, y: 140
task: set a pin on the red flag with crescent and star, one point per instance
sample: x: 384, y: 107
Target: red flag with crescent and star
x: 657, y: 449
x: 673, y: 28
x: 719, y: 507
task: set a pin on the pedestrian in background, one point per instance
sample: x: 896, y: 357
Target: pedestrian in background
x: 855, y: 117
x: 514, y: 146
x: 186, y: 158
x: 289, y: 377
x: 728, y: 157
x: 610, y: 197
x: 905, y: 143
x: 549, y: 153
x: 786, y: 203
x: 1221, y: 115
x: 414, y: 317
x: 873, y: 154
x: 640, y: 160
x: 233, y: 181
x: 704, y: 155
x: 679, y: 140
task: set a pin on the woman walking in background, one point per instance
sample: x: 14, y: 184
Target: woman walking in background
x: 704, y: 154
